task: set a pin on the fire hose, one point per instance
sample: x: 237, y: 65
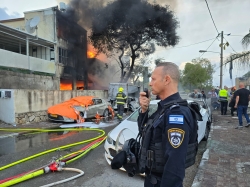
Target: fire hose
x: 58, y: 164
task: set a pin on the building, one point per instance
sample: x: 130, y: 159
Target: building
x: 43, y: 50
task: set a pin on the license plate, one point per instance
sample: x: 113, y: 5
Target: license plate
x: 53, y: 115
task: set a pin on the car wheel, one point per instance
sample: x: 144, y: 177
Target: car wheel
x: 206, y: 133
x: 211, y: 119
x: 106, y: 115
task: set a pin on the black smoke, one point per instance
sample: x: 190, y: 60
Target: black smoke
x: 83, y: 12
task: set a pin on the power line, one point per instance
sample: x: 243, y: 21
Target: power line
x: 195, y: 43
x: 208, y: 47
x: 235, y: 35
x: 188, y: 45
x: 230, y: 45
x: 211, y: 17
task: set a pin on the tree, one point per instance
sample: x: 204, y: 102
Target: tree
x: 140, y: 68
x: 197, y: 74
x: 133, y: 26
x: 205, y: 63
x: 241, y: 59
x: 246, y: 40
x: 159, y: 60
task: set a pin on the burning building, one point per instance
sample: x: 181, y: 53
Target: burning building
x: 47, y: 34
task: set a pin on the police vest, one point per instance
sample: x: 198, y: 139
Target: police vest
x: 223, y: 95
x: 151, y: 154
x: 121, y: 98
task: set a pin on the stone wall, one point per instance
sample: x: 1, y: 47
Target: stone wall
x: 31, y: 117
x: 29, y: 106
x: 19, y: 80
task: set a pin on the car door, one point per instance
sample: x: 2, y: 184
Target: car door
x: 98, y: 106
x: 202, y: 124
x: 101, y: 105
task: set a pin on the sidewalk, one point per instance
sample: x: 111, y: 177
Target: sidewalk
x: 226, y: 162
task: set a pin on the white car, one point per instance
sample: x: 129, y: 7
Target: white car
x: 129, y: 129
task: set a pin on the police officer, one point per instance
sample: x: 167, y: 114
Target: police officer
x: 120, y: 100
x: 171, y: 132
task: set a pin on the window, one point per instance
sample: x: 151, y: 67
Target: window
x: 134, y: 116
x: 63, y: 55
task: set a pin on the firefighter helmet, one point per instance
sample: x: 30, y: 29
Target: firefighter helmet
x: 121, y: 89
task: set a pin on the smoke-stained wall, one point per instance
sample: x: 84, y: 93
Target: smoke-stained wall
x: 72, y: 48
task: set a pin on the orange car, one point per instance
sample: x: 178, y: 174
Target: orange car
x: 78, y: 107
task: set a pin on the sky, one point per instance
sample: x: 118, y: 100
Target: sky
x: 196, y: 25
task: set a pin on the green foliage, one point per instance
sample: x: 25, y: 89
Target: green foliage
x: 133, y: 26
x: 198, y: 74
x: 158, y: 60
x: 246, y: 40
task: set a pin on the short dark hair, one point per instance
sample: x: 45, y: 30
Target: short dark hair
x: 171, y: 69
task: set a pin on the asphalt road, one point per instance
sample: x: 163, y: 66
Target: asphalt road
x: 97, y: 172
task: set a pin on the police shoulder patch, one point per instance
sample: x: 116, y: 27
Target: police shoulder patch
x: 175, y: 137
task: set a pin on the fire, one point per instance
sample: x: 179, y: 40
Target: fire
x: 66, y: 85
x: 91, y: 54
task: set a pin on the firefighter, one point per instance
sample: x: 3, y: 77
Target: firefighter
x: 120, y: 100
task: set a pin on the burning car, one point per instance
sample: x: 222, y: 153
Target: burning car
x: 79, y: 108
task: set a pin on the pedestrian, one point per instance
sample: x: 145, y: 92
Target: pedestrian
x: 241, y: 103
x: 169, y: 133
x: 213, y: 96
x: 223, y: 98
x: 121, y: 99
x: 232, y: 101
x: 203, y: 95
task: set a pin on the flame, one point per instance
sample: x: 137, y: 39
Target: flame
x: 91, y: 54
x: 66, y: 85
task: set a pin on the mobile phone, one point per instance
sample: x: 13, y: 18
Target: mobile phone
x: 146, y: 90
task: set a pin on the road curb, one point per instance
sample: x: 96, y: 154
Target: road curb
x: 200, y: 172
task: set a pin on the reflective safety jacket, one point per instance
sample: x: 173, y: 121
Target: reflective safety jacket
x: 223, y: 95
x: 169, y: 141
x: 121, y: 98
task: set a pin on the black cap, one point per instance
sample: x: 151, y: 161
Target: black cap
x: 119, y: 160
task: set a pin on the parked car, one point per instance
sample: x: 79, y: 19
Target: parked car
x: 85, y: 106
x: 129, y: 129
x: 132, y: 104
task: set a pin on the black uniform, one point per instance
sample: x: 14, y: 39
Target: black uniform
x: 120, y: 100
x: 173, y: 131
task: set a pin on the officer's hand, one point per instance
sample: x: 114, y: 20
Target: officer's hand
x: 144, y: 102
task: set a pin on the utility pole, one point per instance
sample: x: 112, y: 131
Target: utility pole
x: 221, y: 59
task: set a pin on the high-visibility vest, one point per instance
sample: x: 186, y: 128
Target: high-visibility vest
x: 121, y: 98
x: 223, y: 95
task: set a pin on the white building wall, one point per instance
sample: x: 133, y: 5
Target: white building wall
x: 46, y: 25
x: 7, y: 108
x: 15, y: 60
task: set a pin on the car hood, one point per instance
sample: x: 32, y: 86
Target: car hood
x: 131, y: 130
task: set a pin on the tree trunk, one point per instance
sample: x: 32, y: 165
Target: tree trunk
x: 121, y: 65
x: 133, y: 57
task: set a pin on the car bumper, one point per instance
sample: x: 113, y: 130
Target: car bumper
x: 110, y: 152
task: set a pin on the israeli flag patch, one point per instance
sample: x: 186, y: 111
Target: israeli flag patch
x: 176, y: 119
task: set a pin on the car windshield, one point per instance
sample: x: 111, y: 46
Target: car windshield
x: 134, y: 116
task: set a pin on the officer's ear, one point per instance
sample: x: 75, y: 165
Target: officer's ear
x: 167, y: 79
